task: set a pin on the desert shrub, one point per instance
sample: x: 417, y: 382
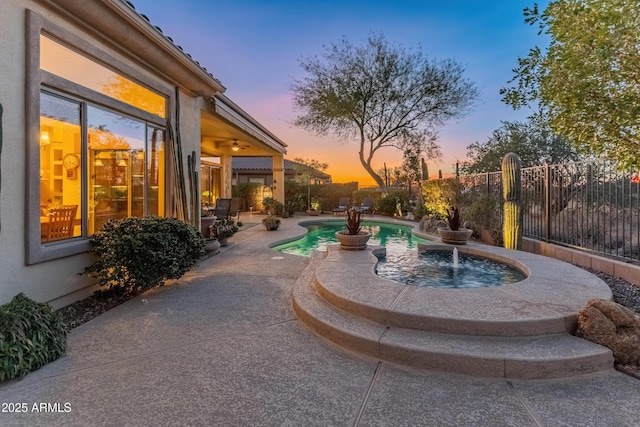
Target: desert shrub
x: 388, y: 204
x: 144, y: 252
x: 420, y: 211
x: 295, y: 196
x: 324, y: 204
x: 440, y: 195
x: 272, y: 205
x: 31, y: 335
x: 484, y: 214
x: 333, y: 192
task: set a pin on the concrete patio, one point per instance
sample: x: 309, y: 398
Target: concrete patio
x: 223, y: 347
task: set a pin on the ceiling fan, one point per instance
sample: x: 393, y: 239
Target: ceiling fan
x: 235, y: 146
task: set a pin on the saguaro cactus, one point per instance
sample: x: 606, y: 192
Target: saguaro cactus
x: 512, y: 193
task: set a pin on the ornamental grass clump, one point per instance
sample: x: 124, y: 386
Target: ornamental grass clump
x: 140, y: 253
x: 31, y: 335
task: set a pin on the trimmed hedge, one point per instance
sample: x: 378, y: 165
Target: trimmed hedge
x: 31, y: 335
x: 144, y: 252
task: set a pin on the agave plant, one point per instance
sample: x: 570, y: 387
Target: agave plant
x: 453, y: 218
x: 353, y: 221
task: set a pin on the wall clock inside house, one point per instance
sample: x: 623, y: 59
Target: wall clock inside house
x: 71, y: 162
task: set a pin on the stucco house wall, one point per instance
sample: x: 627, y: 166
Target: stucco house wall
x: 50, y: 274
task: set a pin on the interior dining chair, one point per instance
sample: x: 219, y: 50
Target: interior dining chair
x: 61, y: 220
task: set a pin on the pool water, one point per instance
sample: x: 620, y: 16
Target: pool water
x: 435, y: 269
x: 404, y: 264
x: 395, y: 238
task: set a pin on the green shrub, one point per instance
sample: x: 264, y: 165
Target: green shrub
x: 272, y: 205
x: 441, y: 194
x: 388, y: 204
x: 419, y: 211
x: 324, y: 204
x: 484, y: 214
x: 31, y: 335
x: 144, y: 252
x: 333, y: 192
x: 248, y: 191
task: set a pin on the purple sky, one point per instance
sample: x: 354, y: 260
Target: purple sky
x: 253, y: 47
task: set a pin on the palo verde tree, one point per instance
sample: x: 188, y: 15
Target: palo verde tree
x: 381, y: 95
x: 588, y: 79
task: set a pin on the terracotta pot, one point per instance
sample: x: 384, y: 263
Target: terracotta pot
x: 223, y: 241
x: 353, y: 242
x: 455, y: 237
x: 313, y: 213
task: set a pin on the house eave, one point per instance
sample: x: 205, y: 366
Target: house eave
x: 231, y: 112
x: 118, y: 24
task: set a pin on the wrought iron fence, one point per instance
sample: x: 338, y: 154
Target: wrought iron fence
x: 587, y: 205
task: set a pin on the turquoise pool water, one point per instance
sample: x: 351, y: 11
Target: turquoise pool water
x: 396, y: 238
x: 404, y: 264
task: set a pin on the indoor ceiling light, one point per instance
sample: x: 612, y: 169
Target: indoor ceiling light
x: 235, y: 146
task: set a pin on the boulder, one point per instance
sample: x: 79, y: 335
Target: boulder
x: 429, y: 224
x: 611, y: 325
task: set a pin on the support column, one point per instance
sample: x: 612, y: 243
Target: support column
x: 278, y: 177
x: 225, y: 175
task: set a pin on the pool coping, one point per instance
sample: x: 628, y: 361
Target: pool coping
x: 545, y: 302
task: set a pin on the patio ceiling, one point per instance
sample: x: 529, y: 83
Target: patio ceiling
x: 223, y: 122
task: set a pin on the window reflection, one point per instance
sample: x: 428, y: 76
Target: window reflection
x: 66, y: 63
x: 60, y: 168
x: 116, y: 167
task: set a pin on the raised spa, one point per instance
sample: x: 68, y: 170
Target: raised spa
x: 446, y: 269
x: 405, y: 264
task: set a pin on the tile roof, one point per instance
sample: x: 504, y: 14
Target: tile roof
x: 265, y: 163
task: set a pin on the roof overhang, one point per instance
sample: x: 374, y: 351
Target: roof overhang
x: 118, y: 24
x: 222, y: 122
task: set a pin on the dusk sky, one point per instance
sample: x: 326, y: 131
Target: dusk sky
x: 253, y: 48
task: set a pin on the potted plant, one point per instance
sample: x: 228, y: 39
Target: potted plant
x: 315, y: 208
x: 455, y: 234
x: 207, y: 219
x: 271, y: 223
x: 211, y: 242
x: 353, y: 238
x: 225, y: 228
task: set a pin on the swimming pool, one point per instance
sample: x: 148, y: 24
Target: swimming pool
x: 394, y: 237
x: 403, y: 262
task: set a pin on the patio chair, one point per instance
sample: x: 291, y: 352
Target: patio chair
x: 236, y: 207
x: 366, y: 206
x: 61, y: 219
x: 343, y: 205
x: 223, y: 207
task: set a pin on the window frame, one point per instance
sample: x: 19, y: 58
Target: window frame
x: 37, y: 80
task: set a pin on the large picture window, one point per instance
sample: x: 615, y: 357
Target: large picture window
x: 101, y: 143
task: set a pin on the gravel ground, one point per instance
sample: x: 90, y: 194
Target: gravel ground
x: 624, y: 293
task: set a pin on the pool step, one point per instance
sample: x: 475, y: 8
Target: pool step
x: 519, y: 357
